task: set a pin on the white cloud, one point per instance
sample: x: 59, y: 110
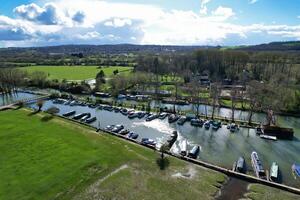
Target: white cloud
x: 252, y: 1
x: 118, y: 22
x: 98, y: 22
x: 203, y: 7
x: 298, y: 17
x: 223, y: 13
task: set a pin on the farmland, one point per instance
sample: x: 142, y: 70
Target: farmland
x: 76, y: 72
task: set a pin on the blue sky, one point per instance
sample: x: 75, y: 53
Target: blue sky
x: 174, y: 22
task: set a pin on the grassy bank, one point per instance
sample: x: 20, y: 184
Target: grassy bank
x: 44, y: 158
x: 261, y: 192
x: 75, y: 72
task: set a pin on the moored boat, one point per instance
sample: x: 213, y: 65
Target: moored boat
x: 172, y: 118
x: 162, y: 115
x: 274, y: 171
x: 80, y: 116
x: 124, y: 132
x: 268, y: 137
x: 233, y: 127
x: 257, y: 166
x: 181, y: 120
x: 85, y: 117
x: 148, y: 141
x: 133, y: 135
x: 216, y: 125
x: 207, y: 125
x: 194, y: 152
x: 296, y: 170
x: 117, y: 128
x: 197, y: 122
x: 90, y: 120
x: 240, y: 165
x: 70, y: 113
x: 151, y: 117
x: 183, y: 150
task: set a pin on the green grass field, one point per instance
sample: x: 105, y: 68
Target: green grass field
x: 57, y: 159
x: 51, y: 158
x: 75, y: 72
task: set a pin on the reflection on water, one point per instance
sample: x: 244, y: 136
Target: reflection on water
x: 14, y: 97
x: 219, y: 147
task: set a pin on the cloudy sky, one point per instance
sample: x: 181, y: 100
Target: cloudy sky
x: 172, y: 22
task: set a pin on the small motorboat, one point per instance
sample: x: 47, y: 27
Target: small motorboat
x: 141, y: 115
x: 216, y: 125
x: 172, y: 118
x: 151, y: 117
x: 274, y: 172
x: 124, y: 132
x: 182, y: 120
x: 240, y: 165
x: 148, y: 141
x: 133, y: 135
x: 183, y: 150
x: 194, y: 152
x: 197, y: 122
x: 109, y: 127
x: 162, y: 116
x: 207, y: 125
x: 117, y: 128
x: 133, y: 115
x: 233, y: 127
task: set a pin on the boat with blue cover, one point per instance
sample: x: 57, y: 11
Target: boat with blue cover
x: 296, y: 170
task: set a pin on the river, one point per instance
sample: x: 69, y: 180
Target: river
x: 219, y: 147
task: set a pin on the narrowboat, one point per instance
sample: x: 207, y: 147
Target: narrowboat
x: 257, y: 166
x: 90, y: 120
x: 85, y: 117
x: 81, y: 115
x: 70, y: 113
x: 268, y: 137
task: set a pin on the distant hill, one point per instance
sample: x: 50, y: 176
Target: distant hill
x: 273, y: 46
x: 94, y: 49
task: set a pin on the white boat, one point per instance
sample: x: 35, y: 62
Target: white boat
x: 268, y: 137
x: 183, y: 150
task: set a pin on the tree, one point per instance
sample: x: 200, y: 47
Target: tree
x: 116, y: 72
x: 214, y: 94
x: 40, y: 104
x: 100, y: 79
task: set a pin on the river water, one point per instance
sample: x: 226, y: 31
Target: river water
x: 219, y: 147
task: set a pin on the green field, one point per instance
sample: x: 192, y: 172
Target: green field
x: 75, y: 72
x: 50, y: 158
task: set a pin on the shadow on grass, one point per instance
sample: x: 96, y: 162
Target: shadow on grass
x: 47, y: 118
x: 33, y: 113
x: 163, y: 163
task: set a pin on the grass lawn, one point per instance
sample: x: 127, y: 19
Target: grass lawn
x: 265, y: 193
x: 75, y: 72
x: 57, y: 159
